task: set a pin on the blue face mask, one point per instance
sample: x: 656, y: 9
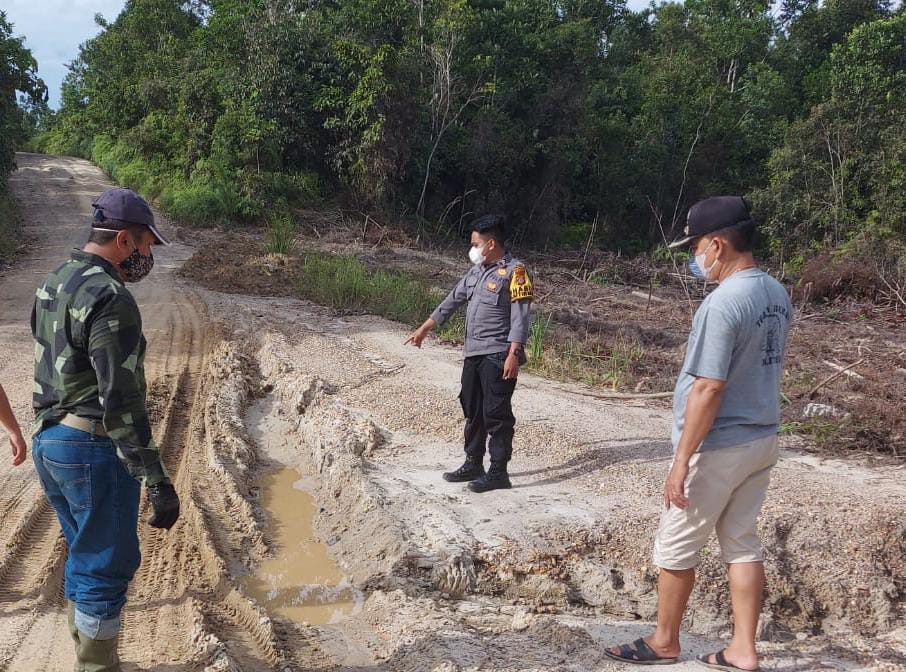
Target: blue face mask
x: 697, y: 262
x: 695, y: 269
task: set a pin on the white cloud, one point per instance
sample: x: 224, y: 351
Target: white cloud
x: 54, y: 29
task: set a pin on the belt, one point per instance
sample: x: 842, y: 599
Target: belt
x: 95, y: 427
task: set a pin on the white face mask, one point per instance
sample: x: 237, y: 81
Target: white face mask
x: 700, y: 262
x: 476, y: 256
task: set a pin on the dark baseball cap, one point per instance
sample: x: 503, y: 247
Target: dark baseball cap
x: 713, y: 214
x: 125, y: 207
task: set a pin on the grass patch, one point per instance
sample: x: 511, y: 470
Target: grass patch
x: 281, y: 234
x: 343, y: 282
x: 823, y: 431
x: 614, y: 365
x: 537, y: 339
x: 206, y: 193
x: 9, y: 225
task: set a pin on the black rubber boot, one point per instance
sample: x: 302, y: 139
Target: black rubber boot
x: 495, y: 479
x: 469, y: 471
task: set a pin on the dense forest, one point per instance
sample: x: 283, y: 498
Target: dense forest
x: 23, y: 97
x: 18, y: 77
x: 572, y: 117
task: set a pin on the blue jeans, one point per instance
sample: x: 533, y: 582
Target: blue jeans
x: 96, y: 501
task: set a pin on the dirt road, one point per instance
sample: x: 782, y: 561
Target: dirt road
x: 537, y: 578
x: 179, y: 593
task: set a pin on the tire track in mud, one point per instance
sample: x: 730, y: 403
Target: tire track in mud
x: 184, y: 608
x: 245, y: 631
x: 182, y: 570
x: 159, y: 584
x: 32, y: 592
x: 184, y: 578
x: 22, y: 497
x: 19, y: 625
x: 223, y: 518
x: 33, y: 550
x: 44, y: 645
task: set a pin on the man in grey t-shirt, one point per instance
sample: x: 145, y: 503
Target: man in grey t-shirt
x: 726, y: 408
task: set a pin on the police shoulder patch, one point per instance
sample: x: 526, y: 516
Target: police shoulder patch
x: 521, y: 288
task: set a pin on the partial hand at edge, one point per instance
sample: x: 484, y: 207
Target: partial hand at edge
x: 19, y: 448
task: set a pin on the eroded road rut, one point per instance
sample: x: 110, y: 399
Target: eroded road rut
x: 181, y: 606
x: 537, y: 578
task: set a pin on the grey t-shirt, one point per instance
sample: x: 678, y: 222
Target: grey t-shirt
x: 739, y: 336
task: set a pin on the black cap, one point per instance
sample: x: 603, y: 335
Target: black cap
x: 124, y: 205
x: 713, y: 214
x: 487, y: 222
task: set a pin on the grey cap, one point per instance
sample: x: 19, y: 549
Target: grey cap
x: 713, y: 214
x: 125, y: 207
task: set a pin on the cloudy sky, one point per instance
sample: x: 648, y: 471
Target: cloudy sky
x: 54, y: 29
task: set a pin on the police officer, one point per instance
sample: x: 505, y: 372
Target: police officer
x: 93, y: 447
x: 498, y: 291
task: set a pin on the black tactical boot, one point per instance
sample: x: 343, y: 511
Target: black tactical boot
x: 471, y: 469
x: 495, y: 479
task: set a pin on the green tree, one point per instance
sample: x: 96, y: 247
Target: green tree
x: 809, y: 32
x: 18, y: 76
x: 840, y: 173
x: 556, y: 113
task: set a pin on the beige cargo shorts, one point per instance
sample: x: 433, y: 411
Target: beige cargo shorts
x: 726, y: 489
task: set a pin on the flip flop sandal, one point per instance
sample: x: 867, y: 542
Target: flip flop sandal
x: 722, y: 663
x: 639, y: 653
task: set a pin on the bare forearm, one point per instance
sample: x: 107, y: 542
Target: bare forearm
x: 701, y: 410
x: 7, y: 419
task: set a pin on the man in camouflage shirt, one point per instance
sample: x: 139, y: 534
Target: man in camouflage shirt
x: 93, y: 446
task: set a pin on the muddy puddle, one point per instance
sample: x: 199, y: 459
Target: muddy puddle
x: 300, y: 581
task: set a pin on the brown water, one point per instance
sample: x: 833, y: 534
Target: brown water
x: 300, y: 581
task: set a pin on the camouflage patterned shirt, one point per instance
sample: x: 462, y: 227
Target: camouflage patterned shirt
x: 89, y: 358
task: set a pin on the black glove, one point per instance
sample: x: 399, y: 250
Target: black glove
x: 165, y: 503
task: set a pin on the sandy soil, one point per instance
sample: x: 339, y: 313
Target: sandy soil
x: 537, y: 578
x: 183, y: 607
